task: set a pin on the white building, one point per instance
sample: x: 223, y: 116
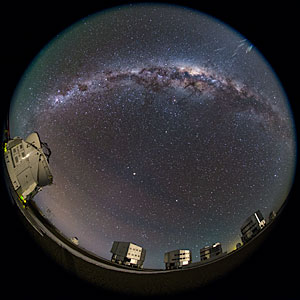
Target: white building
x: 75, y: 240
x: 27, y: 163
x: 177, y: 258
x: 210, y: 252
x: 252, y: 226
x: 128, y: 254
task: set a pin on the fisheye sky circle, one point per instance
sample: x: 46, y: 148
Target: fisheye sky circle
x: 167, y: 129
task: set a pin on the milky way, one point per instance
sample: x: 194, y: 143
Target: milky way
x: 161, y: 134
x: 184, y: 84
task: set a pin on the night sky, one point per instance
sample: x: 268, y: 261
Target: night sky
x: 167, y: 128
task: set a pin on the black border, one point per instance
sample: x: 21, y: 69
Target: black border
x: 272, y: 271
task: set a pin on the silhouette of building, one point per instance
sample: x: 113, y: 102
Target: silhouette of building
x: 252, y: 226
x: 272, y: 216
x: 238, y: 245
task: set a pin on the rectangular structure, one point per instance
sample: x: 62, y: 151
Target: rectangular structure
x: 210, y: 252
x: 252, y: 226
x: 128, y: 254
x: 177, y: 258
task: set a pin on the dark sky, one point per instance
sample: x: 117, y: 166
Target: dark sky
x: 167, y: 129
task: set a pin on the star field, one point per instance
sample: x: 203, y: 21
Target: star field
x: 166, y: 127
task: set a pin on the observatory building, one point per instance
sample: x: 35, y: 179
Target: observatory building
x: 210, y: 252
x: 27, y: 163
x: 252, y: 226
x: 272, y: 216
x: 128, y: 254
x: 177, y: 259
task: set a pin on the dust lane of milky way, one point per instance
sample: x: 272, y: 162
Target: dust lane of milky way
x: 193, y: 81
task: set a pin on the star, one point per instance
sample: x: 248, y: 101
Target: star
x: 163, y: 132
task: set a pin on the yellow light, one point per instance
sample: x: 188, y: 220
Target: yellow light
x: 5, y: 147
x: 22, y: 199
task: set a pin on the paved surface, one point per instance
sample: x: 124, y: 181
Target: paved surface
x: 110, y: 277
